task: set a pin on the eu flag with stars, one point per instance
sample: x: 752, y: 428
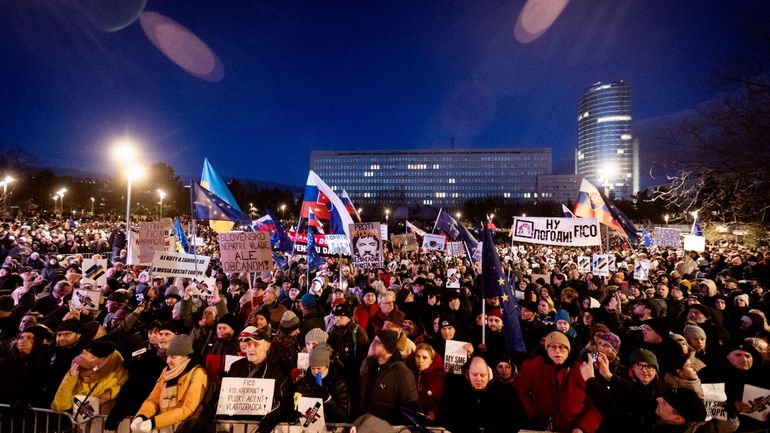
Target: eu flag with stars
x: 495, y: 284
x: 314, y: 260
x: 208, y: 207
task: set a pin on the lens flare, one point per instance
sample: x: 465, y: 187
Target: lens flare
x: 536, y: 18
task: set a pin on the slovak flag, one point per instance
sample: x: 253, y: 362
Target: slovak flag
x: 349, y: 205
x: 312, y: 221
x: 592, y: 203
x: 265, y: 223
x: 326, y: 205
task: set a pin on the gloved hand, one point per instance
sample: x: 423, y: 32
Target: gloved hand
x: 145, y: 426
x: 135, y: 423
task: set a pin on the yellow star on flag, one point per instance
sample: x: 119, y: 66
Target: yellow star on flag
x: 505, y: 297
x: 501, y: 281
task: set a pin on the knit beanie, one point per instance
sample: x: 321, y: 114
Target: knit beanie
x: 692, y: 332
x: 289, y: 321
x: 181, y: 345
x: 308, y: 300
x: 557, y: 337
x: 644, y: 355
x: 743, y: 297
x: 660, y: 325
x: 562, y: 315
x: 100, y: 348
x: 371, y: 424
x: 320, y: 355
x: 231, y: 321
x: 389, y: 340
x: 316, y: 334
x: 612, y: 339
x: 495, y: 312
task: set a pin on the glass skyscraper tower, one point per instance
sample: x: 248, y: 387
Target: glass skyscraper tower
x: 607, y: 153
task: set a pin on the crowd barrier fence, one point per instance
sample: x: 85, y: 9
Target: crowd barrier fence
x: 38, y: 420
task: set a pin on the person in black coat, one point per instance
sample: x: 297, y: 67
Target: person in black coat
x: 324, y: 380
x: 477, y: 402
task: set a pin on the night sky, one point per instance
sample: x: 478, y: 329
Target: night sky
x: 290, y: 77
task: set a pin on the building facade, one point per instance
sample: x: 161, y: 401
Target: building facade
x: 559, y: 188
x: 607, y: 153
x: 438, y: 177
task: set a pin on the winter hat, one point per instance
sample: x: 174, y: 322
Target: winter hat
x: 100, y: 348
x: 172, y: 325
x: 181, y: 345
x: 495, y: 312
x: 342, y: 310
x: 308, y: 300
x: 231, y: 321
x: 744, y: 297
x: 256, y: 335
x: 171, y: 290
x: 289, y: 321
x: 644, y: 355
x: 562, y: 315
x: 692, y: 332
x: 686, y: 402
x: 316, y: 334
x: 371, y: 424
x: 396, y: 317
x: 70, y: 325
x: 212, y: 309
x: 660, y: 325
x: 40, y: 331
x: 389, y: 340
x: 247, y: 331
x: 557, y: 337
x: 320, y: 355
x: 746, y: 347
x: 612, y: 339
x: 446, y: 320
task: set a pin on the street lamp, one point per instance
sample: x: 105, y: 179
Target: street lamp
x: 665, y: 217
x: 283, y: 209
x: 360, y: 210
x: 162, y: 195
x: 61, y: 194
x: 126, y: 153
x: 387, y: 215
x: 55, y: 197
x: 457, y: 215
x: 92, y: 205
x: 6, y: 180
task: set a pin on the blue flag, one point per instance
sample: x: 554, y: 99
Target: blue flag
x: 455, y: 231
x: 314, y: 260
x: 646, y: 238
x: 279, y: 260
x: 211, y: 180
x: 279, y: 239
x: 495, y: 284
x: 180, y: 234
x: 208, y: 207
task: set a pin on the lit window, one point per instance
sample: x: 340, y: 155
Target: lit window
x: 616, y: 118
x: 625, y: 136
x: 620, y: 151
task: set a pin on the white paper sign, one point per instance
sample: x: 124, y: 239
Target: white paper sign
x: 84, y: 409
x: 455, y: 356
x: 455, y: 249
x: 94, y: 272
x: 383, y: 232
x: 312, y: 419
x: 584, y: 264
x: 431, y: 242
x: 338, y: 244
x: 613, y: 262
x: 666, y: 237
x: 642, y: 270
x: 86, y: 299
x: 453, y: 278
x: 759, y: 400
x: 243, y: 396
x: 576, y: 232
x: 600, y: 265
x: 716, y: 401
x: 166, y: 264
x: 303, y: 361
x: 694, y: 243
x: 230, y: 359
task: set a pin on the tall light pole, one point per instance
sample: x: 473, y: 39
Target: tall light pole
x: 665, y: 217
x: 283, y: 213
x: 61, y: 194
x: 162, y: 195
x: 92, y: 205
x: 55, y: 197
x: 125, y: 152
x: 6, y: 180
x: 387, y: 215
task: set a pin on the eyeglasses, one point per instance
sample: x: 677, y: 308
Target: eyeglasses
x: 642, y: 366
x: 558, y: 347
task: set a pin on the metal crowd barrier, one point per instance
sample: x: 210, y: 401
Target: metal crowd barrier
x: 38, y: 420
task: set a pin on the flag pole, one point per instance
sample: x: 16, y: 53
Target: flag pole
x: 436, y: 223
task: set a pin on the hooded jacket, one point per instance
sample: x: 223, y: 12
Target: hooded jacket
x: 110, y: 377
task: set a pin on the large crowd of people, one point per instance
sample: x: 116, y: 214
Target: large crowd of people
x: 674, y: 351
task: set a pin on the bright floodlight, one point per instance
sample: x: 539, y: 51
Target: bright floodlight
x: 135, y: 171
x: 162, y: 194
x: 61, y: 191
x: 124, y: 151
x: 609, y: 169
x: 8, y: 179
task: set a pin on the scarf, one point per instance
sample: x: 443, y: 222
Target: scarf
x: 171, y: 375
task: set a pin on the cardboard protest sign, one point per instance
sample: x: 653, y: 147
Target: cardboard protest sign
x: 452, y: 278
x: 338, y: 244
x: 244, y: 396
x: 694, y: 243
x: 169, y: 244
x: 431, y: 242
x: 642, y: 270
x: 666, y: 237
x: 383, y: 232
x: 246, y: 251
x: 365, y: 245
x: 94, y: 272
x: 152, y: 237
x: 575, y: 232
x: 455, y: 249
x: 303, y: 361
x: 166, y: 264
x: 600, y: 265
x: 312, y: 414
x: 716, y: 401
x: 759, y: 400
x: 612, y: 262
x: 84, y: 299
x: 584, y: 264
x: 455, y: 356
x: 84, y: 408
